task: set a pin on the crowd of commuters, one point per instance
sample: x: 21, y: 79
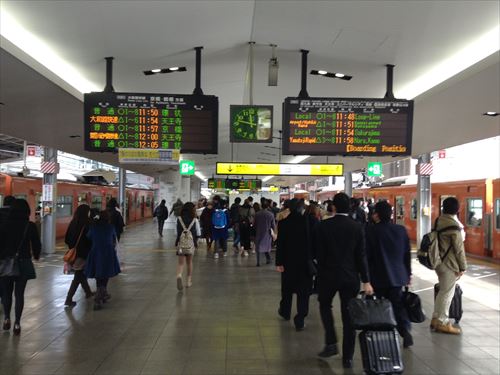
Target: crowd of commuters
x: 338, y: 248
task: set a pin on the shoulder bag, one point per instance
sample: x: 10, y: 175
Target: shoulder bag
x: 10, y: 266
x: 70, y: 255
x: 413, y: 306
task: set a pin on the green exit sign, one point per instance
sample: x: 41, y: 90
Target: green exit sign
x: 186, y: 167
x: 374, y: 169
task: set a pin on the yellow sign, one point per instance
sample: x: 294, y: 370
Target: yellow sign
x: 280, y: 169
x: 154, y: 156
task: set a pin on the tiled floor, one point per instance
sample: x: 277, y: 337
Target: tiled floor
x: 225, y: 324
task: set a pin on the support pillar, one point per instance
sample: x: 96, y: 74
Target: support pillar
x: 424, y: 201
x: 122, y: 196
x: 49, y: 203
x: 348, y: 183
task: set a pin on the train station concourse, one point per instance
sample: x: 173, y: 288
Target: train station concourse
x: 117, y: 111
x: 225, y: 323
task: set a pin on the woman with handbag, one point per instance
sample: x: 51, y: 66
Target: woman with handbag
x: 102, y: 261
x: 79, y: 247
x: 19, y: 241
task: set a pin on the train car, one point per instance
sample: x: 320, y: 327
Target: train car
x: 479, y: 210
x: 71, y: 194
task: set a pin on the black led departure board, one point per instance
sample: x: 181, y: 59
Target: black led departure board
x: 347, y: 126
x: 234, y: 184
x: 151, y: 121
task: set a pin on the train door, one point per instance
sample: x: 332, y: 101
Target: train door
x: 142, y: 206
x: 496, y: 233
x: 399, y: 210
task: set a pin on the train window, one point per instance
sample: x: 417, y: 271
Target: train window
x: 497, y: 214
x: 96, y: 202
x: 21, y: 196
x: 414, y: 209
x: 474, y: 212
x: 148, y: 202
x: 64, y: 205
x: 82, y: 198
x: 1, y: 200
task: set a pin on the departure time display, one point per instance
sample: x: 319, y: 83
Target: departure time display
x: 347, y: 126
x: 151, y: 121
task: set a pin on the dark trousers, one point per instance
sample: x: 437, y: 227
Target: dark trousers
x: 326, y: 294
x: 17, y: 286
x: 245, y: 236
x: 220, y: 243
x: 303, y: 291
x: 161, y: 223
x: 395, y: 295
x: 79, y: 279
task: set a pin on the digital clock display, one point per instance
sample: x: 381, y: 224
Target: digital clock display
x: 347, y: 126
x: 251, y: 123
x: 151, y: 121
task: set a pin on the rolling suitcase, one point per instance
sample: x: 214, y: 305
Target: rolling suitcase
x: 456, y: 310
x: 380, y: 352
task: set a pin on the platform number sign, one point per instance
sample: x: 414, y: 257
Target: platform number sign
x: 374, y: 169
x: 186, y: 167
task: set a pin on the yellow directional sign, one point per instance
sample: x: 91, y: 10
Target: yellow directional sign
x: 280, y: 169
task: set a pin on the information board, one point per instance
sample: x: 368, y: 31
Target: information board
x: 151, y: 121
x: 148, y: 156
x: 265, y: 169
x: 347, y: 126
x: 251, y: 123
x: 234, y: 184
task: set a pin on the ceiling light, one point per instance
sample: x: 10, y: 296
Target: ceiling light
x: 491, y: 113
x: 299, y: 159
x: 164, y: 70
x: 39, y: 50
x: 267, y: 178
x: 324, y: 73
x: 480, y: 48
x: 200, y: 176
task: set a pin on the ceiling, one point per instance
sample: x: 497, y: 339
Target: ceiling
x: 353, y: 37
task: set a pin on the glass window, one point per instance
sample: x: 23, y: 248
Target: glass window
x: 64, y: 205
x: 474, y: 212
x: 148, y: 202
x: 413, y: 214
x: 21, y: 196
x: 96, y: 202
x: 1, y: 200
x: 497, y: 214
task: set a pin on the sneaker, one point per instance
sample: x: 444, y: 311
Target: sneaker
x: 179, y: 283
x: 189, y: 283
x: 448, y: 328
x: 245, y: 253
x: 216, y: 256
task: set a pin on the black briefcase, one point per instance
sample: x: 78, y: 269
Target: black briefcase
x: 456, y: 310
x: 380, y: 352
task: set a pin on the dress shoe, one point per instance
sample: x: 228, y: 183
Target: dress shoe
x: 90, y: 295
x: 434, y: 323
x: 448, y: 328
x: 17, y: 329
x: 407, y: 340
x: 346, y: 363
x: 6, y: 324
x: 280, y: 313
x: 299, y: 324
x: 328, y: 351
x: 70, y: 303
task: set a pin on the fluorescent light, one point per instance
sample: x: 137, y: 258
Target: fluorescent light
x: 299, y: 159
x: 39, y: 50
x: 491, y: 113
x: 155, y: 70
x: 339, y: 75
x: 174, y: 68
x: 200, y: 176
x: 267, y: 178
x: 322, y: 72
x: 477, y: 50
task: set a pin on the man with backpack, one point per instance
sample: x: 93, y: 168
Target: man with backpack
x: 161, y: 214
x: 220, y: 226
x: 176, y: 208
x: 452, y: 266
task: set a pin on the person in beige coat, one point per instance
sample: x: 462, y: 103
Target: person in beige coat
x: 452, y: 267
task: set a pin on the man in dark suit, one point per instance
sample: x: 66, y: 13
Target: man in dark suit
x: 389, y: 257
x: 293, y: 261
x: 341, y: 261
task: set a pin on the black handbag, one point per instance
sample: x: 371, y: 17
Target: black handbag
x: 9, y: 267
x: 371, y: 313
x: 413, y: 306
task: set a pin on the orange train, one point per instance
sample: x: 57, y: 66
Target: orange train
x: 71, y: 194
x: 479, y: 210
